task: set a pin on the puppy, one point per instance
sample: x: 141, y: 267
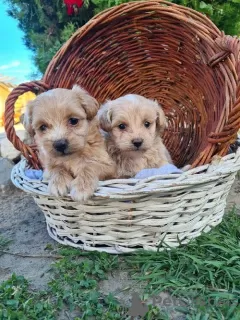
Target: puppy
x: 71, y: 147
x: 133, y: 127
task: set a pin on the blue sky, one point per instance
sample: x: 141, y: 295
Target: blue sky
x: 15, y: 58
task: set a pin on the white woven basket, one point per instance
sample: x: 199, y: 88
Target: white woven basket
x: 125, y: 215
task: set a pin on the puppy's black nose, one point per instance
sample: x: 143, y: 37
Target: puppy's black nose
x: 137, y: 142
x: 60, y: 145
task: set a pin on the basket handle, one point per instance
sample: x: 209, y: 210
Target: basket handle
x: 229, y: 46
x: 219, y: 141
x: 29, y: 152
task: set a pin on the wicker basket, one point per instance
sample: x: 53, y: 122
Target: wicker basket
x: 179, y: 57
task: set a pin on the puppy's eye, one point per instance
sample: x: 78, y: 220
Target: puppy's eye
x: 73, y: 121
x: 147, y: 124
x: 122, y: 126
x: 43, y: 128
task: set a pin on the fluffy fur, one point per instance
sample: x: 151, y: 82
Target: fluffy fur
x: 71, y: 148
x: 133, y: 127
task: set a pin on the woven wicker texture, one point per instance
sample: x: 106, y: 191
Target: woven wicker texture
x: 150, y: 214
x: 162, y: 51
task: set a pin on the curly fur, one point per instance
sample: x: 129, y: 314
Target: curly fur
x: 78, y: 168
x: 134, y: 112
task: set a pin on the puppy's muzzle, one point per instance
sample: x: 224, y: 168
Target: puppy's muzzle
x: 137, y: 143
x: 61, y: 145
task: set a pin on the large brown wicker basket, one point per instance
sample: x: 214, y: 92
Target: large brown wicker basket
x: 162, y: 51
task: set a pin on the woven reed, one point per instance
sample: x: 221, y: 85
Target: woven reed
x: 125, y: 215
x: 165, y: 52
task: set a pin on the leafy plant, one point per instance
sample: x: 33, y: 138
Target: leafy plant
x: 17, y: 302
x: 76, y: 284
x: 225, y: 14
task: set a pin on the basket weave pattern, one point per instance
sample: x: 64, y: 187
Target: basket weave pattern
x: 165, y: 52
x: 128, y: 214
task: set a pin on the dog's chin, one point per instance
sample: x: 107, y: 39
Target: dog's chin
x: 65, y: 154
x: 56, y: 154
x: 134, y: 151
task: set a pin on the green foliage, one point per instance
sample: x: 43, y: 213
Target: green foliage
x: 17, y: 302
x: 101, y: 5
x: 225, y: 14
x: 75, y: 284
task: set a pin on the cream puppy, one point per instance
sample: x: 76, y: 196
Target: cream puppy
x: 133, y: 127
x: 71, y: 148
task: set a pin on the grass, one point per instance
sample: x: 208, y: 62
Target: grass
x: 17, y: 302
x: 205, y: 275
x: 76, y: 284
x: 3, y: 244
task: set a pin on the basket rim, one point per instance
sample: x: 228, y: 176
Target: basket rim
x: 128, y: 188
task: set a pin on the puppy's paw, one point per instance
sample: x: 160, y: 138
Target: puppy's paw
x: 81, y: 192
x: 59, y: 185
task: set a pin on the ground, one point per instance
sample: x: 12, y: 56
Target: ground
x: 23, y: 223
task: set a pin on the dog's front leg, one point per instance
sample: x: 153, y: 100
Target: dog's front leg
x: 59, y: 181
x: 84, y: 185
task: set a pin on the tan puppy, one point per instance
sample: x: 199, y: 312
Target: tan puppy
x: 71, y: 147
x: 134, y: 125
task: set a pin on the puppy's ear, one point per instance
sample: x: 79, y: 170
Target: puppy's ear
x: 89, y: 104
x: 161, y: 119
x: 105, y: 117
x: 27, y: 118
